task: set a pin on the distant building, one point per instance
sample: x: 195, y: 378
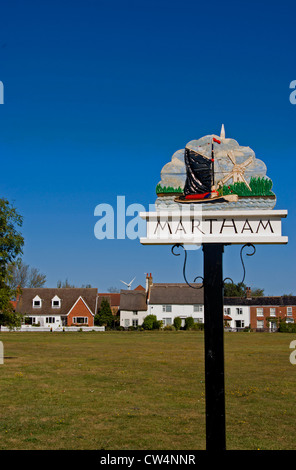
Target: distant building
x: 168, y: 301
x: 112, y: 298
x: 133, y: 307
x: 54, y: 307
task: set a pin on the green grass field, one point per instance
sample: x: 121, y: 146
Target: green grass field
x: 142, y: 390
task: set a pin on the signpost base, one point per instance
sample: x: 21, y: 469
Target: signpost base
x: 214, y: 346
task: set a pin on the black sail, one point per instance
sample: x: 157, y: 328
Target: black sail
x: 199, y: 173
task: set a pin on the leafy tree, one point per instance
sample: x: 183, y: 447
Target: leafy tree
x: 104, y: 317
x: 234, y: 290
x: 257, y: 292
x: 11, y: 244
x: 22, y: 275
x: 240, y: 290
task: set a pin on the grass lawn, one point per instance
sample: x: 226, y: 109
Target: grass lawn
x: 142, y: 390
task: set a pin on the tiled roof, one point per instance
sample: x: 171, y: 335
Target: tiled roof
x: 113, y: 298
x: 68, y: 298
x: 280, y: 300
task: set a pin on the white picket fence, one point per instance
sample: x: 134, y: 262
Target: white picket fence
x: 31, y: 328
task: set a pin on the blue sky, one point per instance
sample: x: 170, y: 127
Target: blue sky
x: 100, y: 94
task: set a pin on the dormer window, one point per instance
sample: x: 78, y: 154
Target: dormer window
x: 56, y: 302
x: 37, y: 302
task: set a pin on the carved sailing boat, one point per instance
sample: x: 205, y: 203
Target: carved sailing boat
x: 200, y: 185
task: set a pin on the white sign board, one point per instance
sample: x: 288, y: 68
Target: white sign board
x: 227, y: 227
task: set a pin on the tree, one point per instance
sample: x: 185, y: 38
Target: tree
x: 234, y: 290
x: 66, y: 283
x: 113, y: 290
x: 11, y: 244
x: 22, y: 275
x: 11, y: 241
x: 63, y: 284
x: 240, y: 290
x: 257, y: 292
x: 104, y: 317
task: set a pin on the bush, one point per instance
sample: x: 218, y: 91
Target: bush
x: 198, y: 326
x: 149, y: 321
x: 177, y: 323
x: 189, y: 323
x: 287, y: 327
x: 157, y: 325
x: 169, y: 328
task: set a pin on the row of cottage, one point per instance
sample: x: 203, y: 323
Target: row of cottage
x: 66, y: 307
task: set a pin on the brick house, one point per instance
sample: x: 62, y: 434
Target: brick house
x: 260, y: 313
x: 54, y: 307
x: 266, y: 312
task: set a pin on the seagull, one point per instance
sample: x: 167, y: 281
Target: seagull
x: 128, y: 285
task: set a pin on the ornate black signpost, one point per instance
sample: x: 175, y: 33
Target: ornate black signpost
x: 214, y: 346
x: 213, y: 215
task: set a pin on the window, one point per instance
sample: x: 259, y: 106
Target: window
x: 260, y: 323
x: 272, y: 311
x: 166, y: 308
x: 56, y: 302
x: 80, y: 320
x: 227, y: 310
x: 135, y: 312
x: 37, y: 303
x: 34, y: 320
x: 289, y: 311
x: 135, y: 322
x: 50, y: 319
x: 259, y: 312
x: 197, y: 320
x: 167, y: 321
x: 126, y: 322
x: 239, y: 311
x: 197, y: 308
x: 239, y: 323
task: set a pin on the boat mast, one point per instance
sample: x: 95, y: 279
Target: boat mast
x: 213, y: 166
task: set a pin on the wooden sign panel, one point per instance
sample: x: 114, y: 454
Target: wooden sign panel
x: 227, y: 227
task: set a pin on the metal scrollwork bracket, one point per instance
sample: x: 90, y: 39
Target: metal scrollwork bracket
x: 248, y: 254
x: 177, y: 245
x: 242, y: 261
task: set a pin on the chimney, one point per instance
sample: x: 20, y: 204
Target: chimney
x: 248, y: 293
x: 149, y: 282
